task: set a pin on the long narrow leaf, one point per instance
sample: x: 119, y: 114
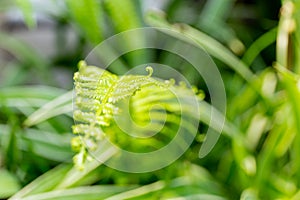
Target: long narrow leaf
x: 212, y: 46
x: 60, y: 105
x: 260, y: 44
x: 88, y: 16
x: 103, y: 153
x: 43, y: 183
x: 80, y: 193
x: 27, y: 9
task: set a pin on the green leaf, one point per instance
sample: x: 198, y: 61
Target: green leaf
x: 27, y: 9
x: 74, y: 176
x: 286, y: 27
x: 8, y: 184
x: 212, y: 46
x: 296, y: 38
x: 22, y: 51
x: 196, y: 182
x: 139, y: 191
x: 49, y: 145
x: 123, y: 14
x: 291, y: 82
x: 30, y: 92
x: 98, y: 98
x: 58, y: 106
x: 258, y: 45
x: 98, y: 192
x: 213, y: 19
x: 44, y: 183
x: 97, y: 91
x: 87, y: 15
x: 199, y: 196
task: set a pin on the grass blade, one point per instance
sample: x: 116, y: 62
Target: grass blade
x: 103, y: 153
x: 258, y: 45
x: 212, y: 46
x: 80, y: 193
x: 27, y: 9
x: 43, y: 183
x: 87, y: 14
x: 60, y: 105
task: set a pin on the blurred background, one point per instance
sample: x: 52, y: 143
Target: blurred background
x: 255, y: 45
x: 59, y: 34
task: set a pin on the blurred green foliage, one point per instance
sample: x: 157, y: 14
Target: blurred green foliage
x: 256, y: 47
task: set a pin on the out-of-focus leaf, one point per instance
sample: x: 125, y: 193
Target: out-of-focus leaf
x: 51, y: 146
x: 8, y: 184
x: 212, y: 46
x: 195, y: 181
x: 124, y: 16
x: 291, y: 83
x: 296, y: 196
x: 213, y: 19
x: 27, y: 9
x: 34, y: 92
x: 258, y: 45
x: 285, y: 28
x: 44, y: 183
x: 14, y: 74
x: 12, y: 153
x: 139, y: 191
x: 60, y: 105
x: 199, y: 196
x: 88, y: 16
x: 23, y: 52
x: 27, y: 98
x: 98, y: 192
x: 103, y: 153
x: 296, y: 39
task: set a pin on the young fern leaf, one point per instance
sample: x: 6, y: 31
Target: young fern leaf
x: 97, y: 92
x: 99, y: 95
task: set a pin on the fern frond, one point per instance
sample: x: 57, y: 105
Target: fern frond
x: 99, y: 95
